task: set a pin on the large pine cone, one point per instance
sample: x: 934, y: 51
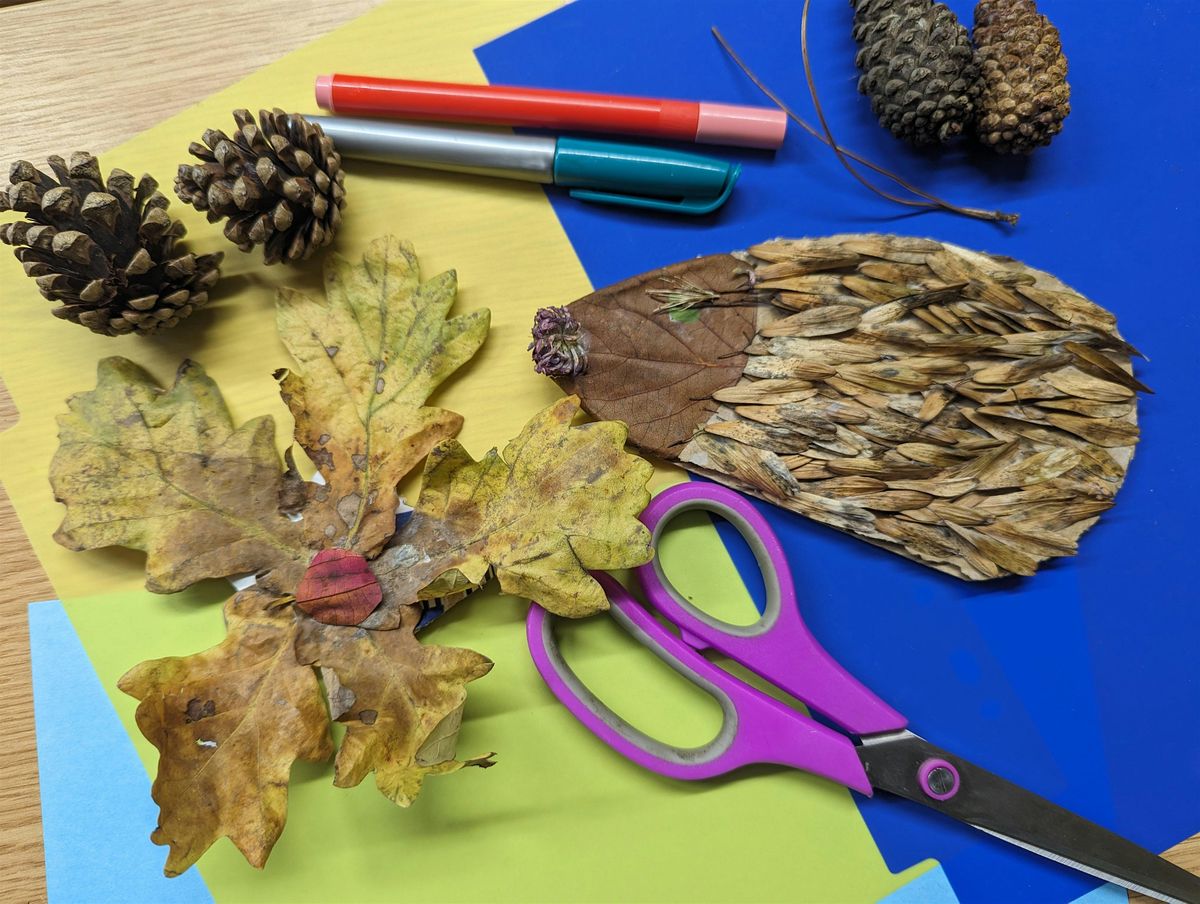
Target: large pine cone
x: 1025, y: 92
x: 279, y: 182
x: 918, y: 68
x: 106, y: 250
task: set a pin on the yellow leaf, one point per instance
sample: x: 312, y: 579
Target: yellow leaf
x: 408, y: 699
x: 561, y: 500
x: 369, y: 354
x: 166, y: 471
x: 228, y: 724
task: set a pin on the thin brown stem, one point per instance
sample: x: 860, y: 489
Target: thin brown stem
x: 930, y: 202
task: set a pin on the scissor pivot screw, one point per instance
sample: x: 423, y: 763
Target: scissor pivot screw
x: 938, y: 779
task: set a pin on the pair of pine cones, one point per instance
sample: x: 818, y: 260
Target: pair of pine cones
x: 107, y: 250
x: 928, y: 84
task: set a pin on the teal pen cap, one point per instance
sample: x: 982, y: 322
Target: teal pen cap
x: 646, y: 177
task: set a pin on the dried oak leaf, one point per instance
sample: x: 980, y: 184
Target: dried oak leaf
x: 167, y: 472
x: 368, y: 356
x: 561, y: 499
x: 228, y: 724
x: 407, y: 702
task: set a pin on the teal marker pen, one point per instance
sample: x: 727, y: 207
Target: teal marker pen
x: 603, y: 172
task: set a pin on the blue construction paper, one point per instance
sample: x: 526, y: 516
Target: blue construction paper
x: 96, y: 806
x: 1079, y: 683
x: 932, y: 888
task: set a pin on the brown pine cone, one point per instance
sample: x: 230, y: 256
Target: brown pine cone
x: 106, y: 250
x: 1025, y: 92
x: 279, y: 182
x: 917, y: 67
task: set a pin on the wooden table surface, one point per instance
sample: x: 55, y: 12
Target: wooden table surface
x: 67, y: 65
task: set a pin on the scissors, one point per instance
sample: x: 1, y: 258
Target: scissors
x: 877, y: 752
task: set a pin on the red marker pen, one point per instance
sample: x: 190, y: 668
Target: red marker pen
x: 541, y: 108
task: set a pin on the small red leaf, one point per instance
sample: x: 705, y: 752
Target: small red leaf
x: 338, y: 588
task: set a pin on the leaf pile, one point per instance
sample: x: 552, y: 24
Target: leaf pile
x: 168, y: 472
x: 961, y: 409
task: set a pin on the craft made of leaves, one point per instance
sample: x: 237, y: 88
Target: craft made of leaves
x: 167, y: 471
x: 961, y: 409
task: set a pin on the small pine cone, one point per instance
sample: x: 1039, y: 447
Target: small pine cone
x: 1025, y: 95
x: 106, y: 250
x: 279, y: 182
x: 917, y: 67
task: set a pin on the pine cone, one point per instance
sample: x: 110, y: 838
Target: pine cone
x: 106, y: 250
x: 1025, y: 92
x: 278, y: 182
x: 918, y: 68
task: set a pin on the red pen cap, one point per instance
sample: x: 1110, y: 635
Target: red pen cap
x: 543, y: 108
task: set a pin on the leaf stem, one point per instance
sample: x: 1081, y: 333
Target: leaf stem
x: 929, y: 202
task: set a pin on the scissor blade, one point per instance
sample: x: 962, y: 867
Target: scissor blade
x: 894, y: 764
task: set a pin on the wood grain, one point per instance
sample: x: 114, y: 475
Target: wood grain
x: 120, y: 67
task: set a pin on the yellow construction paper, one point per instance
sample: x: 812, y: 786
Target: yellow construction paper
x: 561, y: 818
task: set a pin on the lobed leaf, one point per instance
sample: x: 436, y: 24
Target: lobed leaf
x: 167, y: 472
x: 368, y: 355
x: 559, y: 501
x: 407, y: 703
x: 228, y: 724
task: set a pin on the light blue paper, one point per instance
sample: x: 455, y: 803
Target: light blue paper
x: 932, y: 887
x: 97, y: 814
x: 1105, y: 894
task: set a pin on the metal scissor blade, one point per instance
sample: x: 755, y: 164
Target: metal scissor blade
x: 903, y: 764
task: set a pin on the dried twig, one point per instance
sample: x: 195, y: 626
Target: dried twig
x: 825, y: 136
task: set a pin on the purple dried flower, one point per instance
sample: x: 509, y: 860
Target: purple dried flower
x: 558, y: 345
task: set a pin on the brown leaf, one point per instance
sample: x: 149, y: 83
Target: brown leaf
x: 1084, y: 386
x: 821, y: 351
x: 228, y: 724
x: 933, y: 404
x: 338, y: 588
x: 1071, y: 307
x: 772, y: 367
x: 1088, y: 408
x: 1001, y: 553
x: 766, y: 391
x: 1107, y: 432
x: 1020, y: 371
x: 408, y: 698
x: 1029, y: 470
x: 656, y: 374
x: 167, y: 472
x: 820, y: 321
x: 1101, y: 364
x: 884, y: 377
x: 896, y: 501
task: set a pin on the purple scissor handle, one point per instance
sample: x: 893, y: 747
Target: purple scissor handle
x: 756, y: 728
x: 779, y: 646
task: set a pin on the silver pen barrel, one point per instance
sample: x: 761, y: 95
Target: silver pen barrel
x: 529, y: 158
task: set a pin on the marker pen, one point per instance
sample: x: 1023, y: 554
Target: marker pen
x: 603, y: 172
x: 541, y: 108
